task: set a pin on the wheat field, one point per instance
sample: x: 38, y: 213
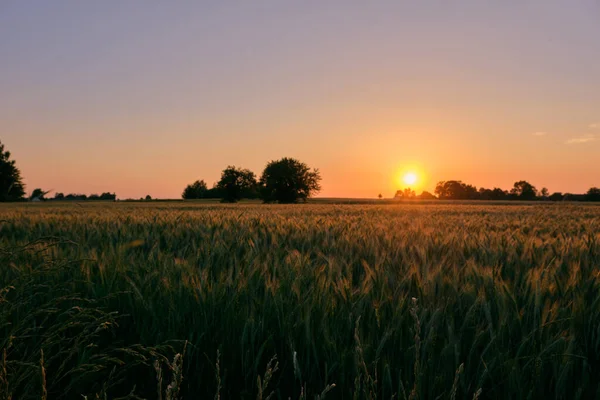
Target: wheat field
x: 401, y: 301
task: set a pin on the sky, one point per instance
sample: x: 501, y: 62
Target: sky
x: 145, y: 97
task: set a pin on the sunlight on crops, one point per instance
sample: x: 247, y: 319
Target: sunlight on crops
x: 113, y: 292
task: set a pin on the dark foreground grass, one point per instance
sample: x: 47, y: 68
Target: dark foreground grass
x: 396, y: 301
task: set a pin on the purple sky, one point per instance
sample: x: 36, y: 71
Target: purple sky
x: 143, y: 97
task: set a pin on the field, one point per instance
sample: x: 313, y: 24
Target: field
x: 365, y: 301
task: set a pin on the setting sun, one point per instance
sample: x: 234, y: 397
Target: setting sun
x: 410, y: 178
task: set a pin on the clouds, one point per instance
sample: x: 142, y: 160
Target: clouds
x: 539, y: 134
x: 583, y: 139
x: 588, y: 137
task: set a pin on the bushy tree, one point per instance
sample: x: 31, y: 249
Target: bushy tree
x: 196, y: 190
x: 427, y: 196
x: 407, y: 193
x: 524, y: 190
x: 59, y: 196
x: 593, y: 194
x: 455, y: 190
x: 556, y: 196
x: 236, y: 184
x: 11, y: 184
x: 289, y: 181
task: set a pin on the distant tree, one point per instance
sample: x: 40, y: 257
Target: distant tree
x: 492, y: 194
x: 59, y: 196
x: 455, y: 190
x: 593, y: 194
x: 214, y: 193
x: 38, y: 194
x: 427, y: 196
x: 148, y: 198
x: 74, y: 196
x: 499, y: 194
x: 94, y: 197
x: 236, y: 184
x: 523, y: 190
x: 544, y: 193
x: 108, y: 196
x: 289, y: 181
x: 196, y: 190
x: 380, y: 196
x: 11, y: 184
x: 405, y: 194
x: 557, y: 196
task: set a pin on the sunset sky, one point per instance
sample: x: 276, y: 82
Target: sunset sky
x: 144, y: 97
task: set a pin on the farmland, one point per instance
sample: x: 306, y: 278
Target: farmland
x: 194, y: 300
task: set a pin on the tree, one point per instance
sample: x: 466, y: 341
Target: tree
x: 380, y: 196
x: 108, y: 196
x: 59, y: 196
x: 237, y: 183
x: 38, y: 194
x: 544, y: 193
x: 148, y: 198
x: 593, y: 194
x: 11, y: 184
x: 455, y: 190
x: 524, y: 190
x: 427, y: 196
x: 407, y: 193
x: 196, y: 190
x: 289, y: 181
x: 557, y: 196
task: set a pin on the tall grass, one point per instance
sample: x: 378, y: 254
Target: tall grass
x: 506, y: 301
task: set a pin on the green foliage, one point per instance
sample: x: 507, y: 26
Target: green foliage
x: 289, y: 181
x: 11, y: 184
x: 506, y: 301
x: 236, y: 184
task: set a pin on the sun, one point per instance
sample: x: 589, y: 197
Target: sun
x: 410, y: 178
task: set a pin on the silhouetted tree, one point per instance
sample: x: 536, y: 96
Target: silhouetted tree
x: 380, y: 196
x: 427, y: 196
x: 11, y: 184
x: 148, y: 198
x: 405, y: 194
x: 455, y: 190
x: 38, y: 194
x: 544, y: 193
x: 289, y: 181
x: 524, y: 190
x: 196, y: 190
x: 108, y: 196
x: 59, y: 196
x: 556, y: 196
x: 237, y: 183
x: 74, y: 196
x: 593, y: 194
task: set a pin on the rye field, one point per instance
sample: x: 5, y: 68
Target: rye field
x: 314, y: 301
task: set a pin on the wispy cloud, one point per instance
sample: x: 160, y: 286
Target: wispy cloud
x: 539, y: 133
x: 583, y: 139
x: 595, y: 125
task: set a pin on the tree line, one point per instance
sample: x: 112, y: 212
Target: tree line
x: 285, y: 181
x: 521, y: 190
x: 282, y: 181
